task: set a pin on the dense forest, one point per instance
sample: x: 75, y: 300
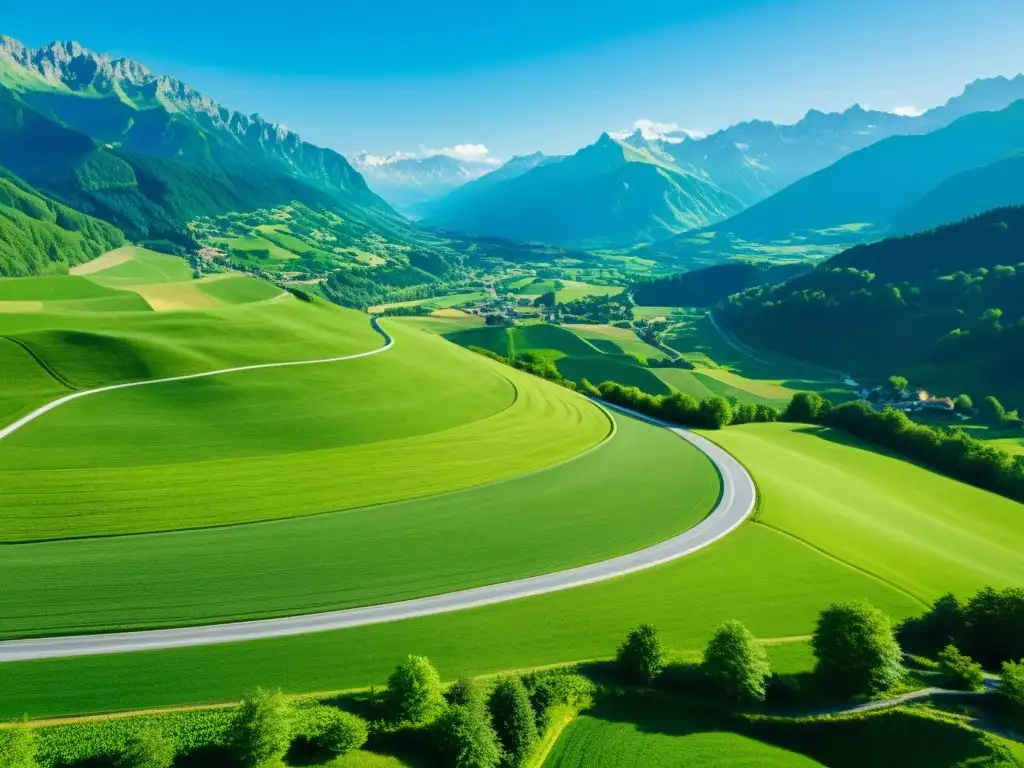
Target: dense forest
x: 706, y: 287
x: 38, y: 235
x: 945, y: 307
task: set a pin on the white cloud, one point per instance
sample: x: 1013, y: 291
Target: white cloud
x: 907, y: 111
x: 373, y: 161
x: 468, y: 153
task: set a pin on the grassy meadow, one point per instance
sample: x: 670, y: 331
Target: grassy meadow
x: 641, y: 487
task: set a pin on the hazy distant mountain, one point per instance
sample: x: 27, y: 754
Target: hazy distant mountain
x: 995, y: 185
x: 610, y: 193
x: 879, y: 184
x: 409, y: 181
x: 756, y: 159
x: 462, y: 195
x: 739, y: 166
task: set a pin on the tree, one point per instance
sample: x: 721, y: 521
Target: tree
x: 414, y: 690
x: 945, y: 623
x: 991, y: 411
x: 548, y: 300
x: 960, y: 672
x: 149, y: 748
x: 995, y: 625
x: 466, y: 735
x: 334, y: 731
x: 1011, y: 685
x: 641, y: 656
x: 263, y: 727
x: 514, y: 720
x: 18, y: 747
x: 804, y: 407
x: 737, y: 662
x: 899, y: 384
x: 715, y: 413
x: 963, y: 404
x: 855, y: 649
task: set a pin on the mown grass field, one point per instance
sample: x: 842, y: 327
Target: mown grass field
x: 654, y: 734
x: 216, y: 454
x: 608, y: 338
x: 769, y: 579
x: 639, y: 488
x: 772, y: 582
x: 920, y: 531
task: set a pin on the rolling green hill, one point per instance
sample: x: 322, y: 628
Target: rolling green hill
x: 877, y: 184
x: 607, y: 194
x: 941, y: 307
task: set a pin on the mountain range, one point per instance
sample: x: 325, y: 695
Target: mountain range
x: 151, y: 155
x: 406, y: 182
x: 679, y: 183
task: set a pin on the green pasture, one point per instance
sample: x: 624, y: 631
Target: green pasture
x: 639, y: 488
x: 570, y: 291
x: 619, y: 368
x: 24, y: 384
x: 650, y: 732
x: 774, y: 583
x: 705, y: 383
x: 248, y: 246
x: 425, y: 417
x: 919, y: 531
x: 240, y: 289
x: 608, y: 338
x: 92, y: 350
x: 143, y: 268
x: 52, y: 288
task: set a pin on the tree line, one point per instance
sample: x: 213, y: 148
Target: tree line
x: 497, y: 722
x: 949, y: 450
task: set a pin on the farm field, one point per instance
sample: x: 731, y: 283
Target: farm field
x: 770, y: 579
x: 608, y: 338
x: 641, y: 487
x: 570, y: 290
x: 436, y: 302
x: 919, y: 531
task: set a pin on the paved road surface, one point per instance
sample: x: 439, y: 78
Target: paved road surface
x: 734, y: 506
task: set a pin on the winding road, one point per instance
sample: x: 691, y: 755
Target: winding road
x: 735, y: 504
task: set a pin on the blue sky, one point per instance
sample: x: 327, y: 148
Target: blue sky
x: 519, y: 76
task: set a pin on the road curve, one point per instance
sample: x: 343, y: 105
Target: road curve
x: 735, y: 504
x: 14, y: 427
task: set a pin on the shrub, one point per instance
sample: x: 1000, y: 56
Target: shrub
x: 262, y: 729
x: 804, y: 408
x: 715, y: 413
x: 855, y: 649
x: 414, y: 690
x: 334, y: 731
x: 18, y: 747
x: 149, y: 748
x: 641, y: 656
x: 960, y: 672
x: 737, y: 662
x: 1011, y: 686
x: 963, y: 404
x: 557, y: 687
x: 465, y: 732
x: 514, y: 720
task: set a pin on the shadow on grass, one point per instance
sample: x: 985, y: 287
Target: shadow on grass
x: 894, y: 738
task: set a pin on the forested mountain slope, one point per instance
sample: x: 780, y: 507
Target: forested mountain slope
x: 39, y: 235
x: 706, y: 287
x: 944, y: 307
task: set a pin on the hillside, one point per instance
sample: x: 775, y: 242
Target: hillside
x: 39, y: 235
x: 996, y: 185
x: 875, y: 185
x: 942, y: 308
x: 471, y: 190
x: 706, y: 287
x: 607, y: 194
